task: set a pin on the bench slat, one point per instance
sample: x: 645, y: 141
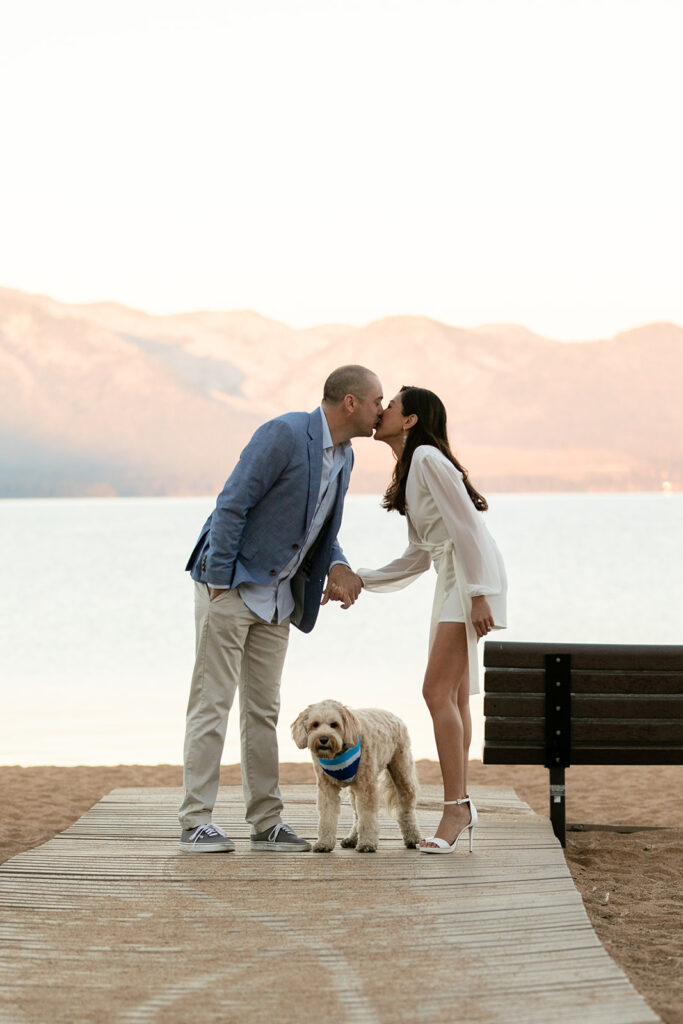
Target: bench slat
x: 585, y: 656
x: 586, y: 706
x: 526, y: 680
x: 520, y: 753
x: 620, y: 731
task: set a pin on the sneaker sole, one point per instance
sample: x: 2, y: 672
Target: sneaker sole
x: 206, y: 848
x: 265, y: 847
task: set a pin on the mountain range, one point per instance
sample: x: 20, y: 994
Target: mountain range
x: 100, y: 399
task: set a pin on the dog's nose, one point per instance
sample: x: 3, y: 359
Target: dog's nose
x: 323, y: 740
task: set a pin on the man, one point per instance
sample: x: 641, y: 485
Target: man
x: 261, y: 562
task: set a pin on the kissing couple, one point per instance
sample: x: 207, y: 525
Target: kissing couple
x: 268, y: 557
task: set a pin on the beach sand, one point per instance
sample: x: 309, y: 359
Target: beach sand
x: 631, y: 884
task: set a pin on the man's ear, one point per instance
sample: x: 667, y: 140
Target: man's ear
x: 299, y: 731
x: 350, y: 727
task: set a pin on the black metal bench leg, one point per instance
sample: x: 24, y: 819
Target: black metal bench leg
x: 557, y: 804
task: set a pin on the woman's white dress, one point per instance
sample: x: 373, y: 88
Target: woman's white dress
x: 444, y: 528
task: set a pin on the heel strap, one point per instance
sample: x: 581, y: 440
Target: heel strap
x: 465, y: 800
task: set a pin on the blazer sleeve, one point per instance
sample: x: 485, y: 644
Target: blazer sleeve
x: 261, y: 463
x: 336, y: 553
x: 337, y: 556
x: 474, y: 546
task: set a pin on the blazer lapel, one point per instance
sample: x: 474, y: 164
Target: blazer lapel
x: 315, y: 463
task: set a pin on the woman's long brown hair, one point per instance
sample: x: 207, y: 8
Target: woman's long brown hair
x: 429, y: 429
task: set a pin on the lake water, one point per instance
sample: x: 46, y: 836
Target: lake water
x: 96, y: 616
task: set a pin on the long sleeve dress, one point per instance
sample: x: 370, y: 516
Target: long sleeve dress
x: 445, y: 529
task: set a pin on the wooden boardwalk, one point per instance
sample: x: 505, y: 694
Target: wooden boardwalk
x: 110, y: 922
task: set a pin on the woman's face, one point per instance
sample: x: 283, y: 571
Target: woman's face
x: 392, y: 422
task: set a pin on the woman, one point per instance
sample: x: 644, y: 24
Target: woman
x: 445, y: 526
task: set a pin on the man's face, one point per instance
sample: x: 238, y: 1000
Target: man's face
x: 368, y: 411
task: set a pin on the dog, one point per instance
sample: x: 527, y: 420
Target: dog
x: 369, y: 752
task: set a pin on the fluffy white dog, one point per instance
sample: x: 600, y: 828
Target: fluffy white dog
x: 367, y: 751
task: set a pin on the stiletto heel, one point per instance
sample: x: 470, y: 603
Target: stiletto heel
x: 441, y: 846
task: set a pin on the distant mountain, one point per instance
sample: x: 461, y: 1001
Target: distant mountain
x: 102, y: 399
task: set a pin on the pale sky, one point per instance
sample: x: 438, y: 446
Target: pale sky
x: 474, y: 161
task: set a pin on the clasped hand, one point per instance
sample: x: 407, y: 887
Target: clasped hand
x: 342, y: 585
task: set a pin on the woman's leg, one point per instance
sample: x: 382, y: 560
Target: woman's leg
x: 463, y: 702
x: 446, y: 692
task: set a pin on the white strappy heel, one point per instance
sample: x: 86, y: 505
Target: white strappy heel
x: 441, y: 846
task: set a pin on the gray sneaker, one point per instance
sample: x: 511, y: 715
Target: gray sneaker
x: 205, y: 839
x: 279, y: 839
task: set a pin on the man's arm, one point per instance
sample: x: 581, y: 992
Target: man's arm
x: 261, y: 463
x: 342, y: 583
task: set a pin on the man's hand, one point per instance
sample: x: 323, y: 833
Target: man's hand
x: 214, y: 593
x: 342, y: 585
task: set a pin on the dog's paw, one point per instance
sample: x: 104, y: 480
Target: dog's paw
x: 412, y: 844
x: 367, y: 848
x: 349, y: 843
x: 322, y: 848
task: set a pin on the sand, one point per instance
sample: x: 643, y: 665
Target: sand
x: 631, y: 883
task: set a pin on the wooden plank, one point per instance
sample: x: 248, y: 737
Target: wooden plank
x: 519, y: 752
x: 524, y: 705
x: 110, y: 922
x: 586, y: 656
x: 622, y: 829
x: 530, y: 680
x: 616, y: 731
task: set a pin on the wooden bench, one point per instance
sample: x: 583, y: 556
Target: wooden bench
x: 563, y: 704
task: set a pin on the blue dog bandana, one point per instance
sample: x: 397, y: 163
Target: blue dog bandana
x: 344, y: 766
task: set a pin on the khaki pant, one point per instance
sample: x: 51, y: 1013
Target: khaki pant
x: 234, y: 648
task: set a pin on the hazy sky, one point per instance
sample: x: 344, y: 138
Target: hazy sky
x: 471, y: 160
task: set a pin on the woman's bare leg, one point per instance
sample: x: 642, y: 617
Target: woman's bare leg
x: 463, y: 702
x: 446, y: 692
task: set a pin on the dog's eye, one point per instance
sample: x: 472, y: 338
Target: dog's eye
x: 334, y: 725
x: 314, y: 725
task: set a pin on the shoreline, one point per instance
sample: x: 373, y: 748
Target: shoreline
x: 561, y: 490
x: 639, y: 924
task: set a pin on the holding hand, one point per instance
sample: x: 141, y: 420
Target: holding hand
x: 482, y: 616
x: 342, y: 585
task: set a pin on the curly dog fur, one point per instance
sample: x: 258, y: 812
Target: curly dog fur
x: 386, y: 772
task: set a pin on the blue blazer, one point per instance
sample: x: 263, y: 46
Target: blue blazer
x: 263, y: 513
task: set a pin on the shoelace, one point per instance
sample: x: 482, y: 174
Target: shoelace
x: 208, y: 830
x: 275, y: 832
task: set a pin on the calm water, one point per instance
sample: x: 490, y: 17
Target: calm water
x: 96, y: 620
